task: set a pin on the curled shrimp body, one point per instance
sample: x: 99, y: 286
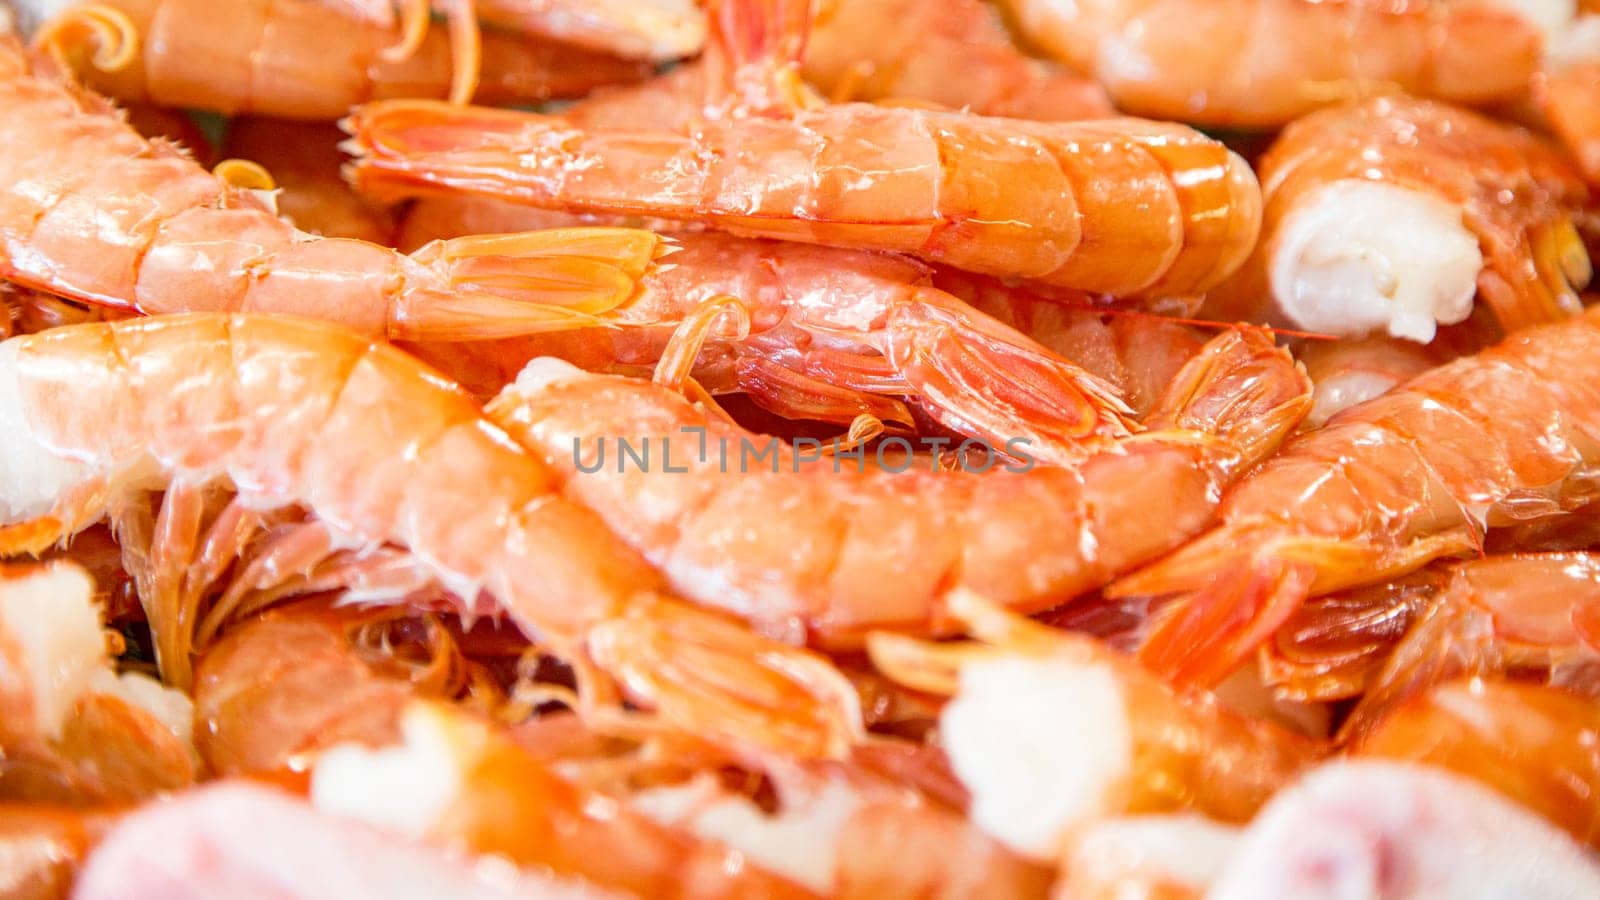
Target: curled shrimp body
x: 1029, y: 539
x: 1052, y: 730
x: 302, y: 60
x: 1262, y: 63
x: 1533, y: 744
x: 110, y: 218
x: 900, y: 50
x: 1391, y: 215
x: 1381, y: 490
x: 382, y: 452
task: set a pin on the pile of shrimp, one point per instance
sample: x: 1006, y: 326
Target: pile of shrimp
x: 799, y: 448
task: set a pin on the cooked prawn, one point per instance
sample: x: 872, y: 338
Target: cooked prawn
x: 1382, y: 829
x: 302, y: 60
x: 1390, y: 216
x: 382, y: 452
x: 281, y: 686
x: 1051, y: 730
x: 1262, y: 63
x: 72, y: 731
x: 1033, y: 200
x: 1536, y: 745
x: 303, y: 159
x: 1028, y: 536
x: 1381, y: 490
x: 108, y: 217
x: 496, y: 798
x: 43, y: 846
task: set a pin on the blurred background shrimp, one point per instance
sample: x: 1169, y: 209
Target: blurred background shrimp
x: 1383, y: 489
x: 1030, y: 200
x: 76, y: 732
x: 314, y: 417
x: 301, y: 60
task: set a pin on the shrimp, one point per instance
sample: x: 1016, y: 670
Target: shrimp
x: 1355, y: 370
x: 43, y: 846
x: 1138, y: 353
x: 1388, y: 217
x: 1382, y: 829
x: 1190, y: 61
x: 1536, y: 745
x: 1334, y: 646
x: 1535, y: 614
x: 303, y: 60
x: 1043, y: 201
x: 444, y: 218
x: 1028, y: 536
x: 1050, y: 730
x: 284, y: 685
x: 72, y: 731
x: 381, y: 452
x: 304, y: 160
x: 110, y: 218
x: 847, y: 832
x: 1383, y: 489
x: 237, y: 839
x: 495, y: 798
x: 886, y: 822
x: 904, y: 50
x: 834, y: 334
x: 655, y: 30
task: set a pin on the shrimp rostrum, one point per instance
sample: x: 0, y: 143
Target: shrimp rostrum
x: 110, y: 218
x: 1384, y: 488
x: 382, y: 452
